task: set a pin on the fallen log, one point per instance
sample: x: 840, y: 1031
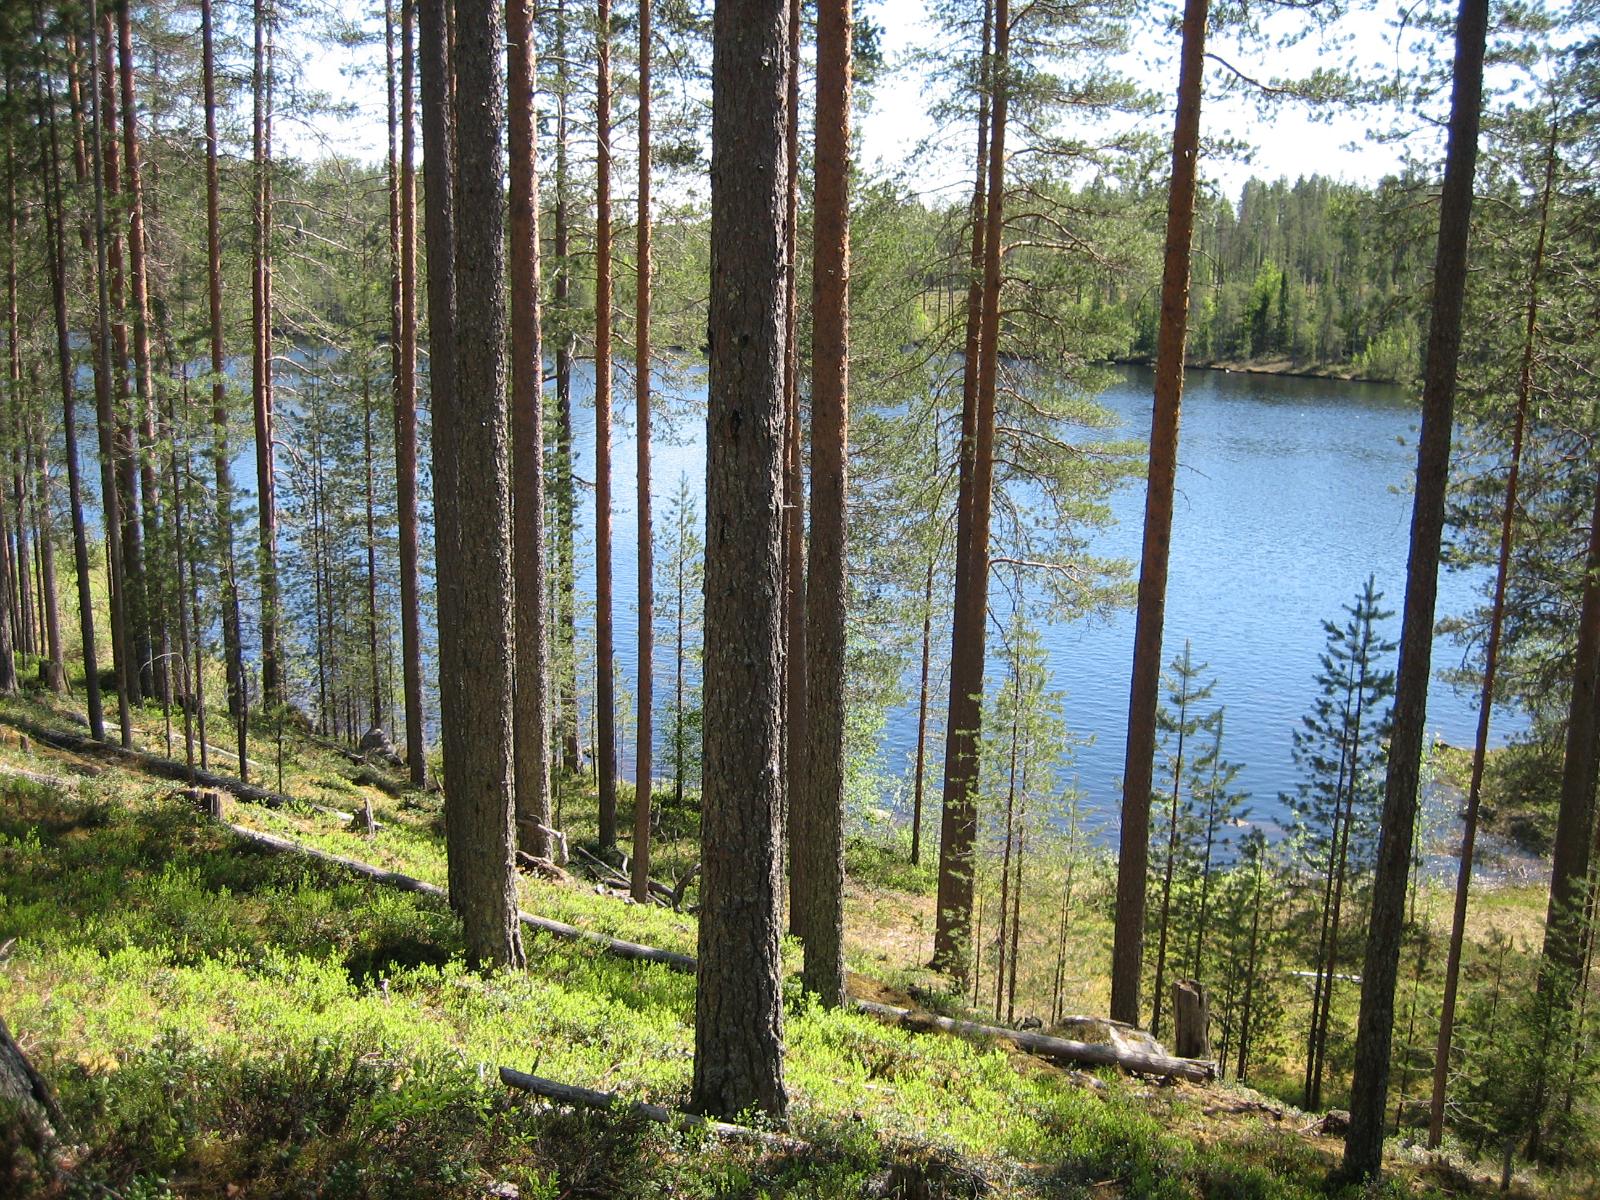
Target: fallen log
x: 168, y: 768
x: 53, y: 781
x: 405, y: 883
x: 582, y: 1097
x: 1097, y: 1054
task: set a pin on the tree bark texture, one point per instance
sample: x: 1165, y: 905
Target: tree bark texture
x: 820, y: 881
x: 405, y: 413
x: 473, y: 505
x: 532, y: 760
x: 1363, y: 1154
x: 644, y: 726
x: 958, y: 824
x: 605, y: 654
x: 475, y: 711
x: 738, y: 1060
x: 794, y: 492
x: 1133, y: 857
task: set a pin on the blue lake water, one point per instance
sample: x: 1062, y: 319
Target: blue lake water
x: 1290, y: 491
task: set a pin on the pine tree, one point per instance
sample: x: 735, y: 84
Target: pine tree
x: 531, y: 756
x: 682, y: 573
x: 1341, y: 747
x: 646, y: 579
x: 1127, y: 952
x: 1178, y: 720
x: 820, y: 886
x: 1363, y: 1157
x: 605, y: 671
x: 738, y: 1059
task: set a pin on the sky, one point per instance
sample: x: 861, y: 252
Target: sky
x: 1284, y: 142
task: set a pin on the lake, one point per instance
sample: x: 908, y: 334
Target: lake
x: 1290, y: 491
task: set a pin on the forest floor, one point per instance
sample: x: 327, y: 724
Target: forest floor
x: 220, y: 1021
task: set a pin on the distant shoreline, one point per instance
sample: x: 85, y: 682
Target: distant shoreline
x: 1266, y: 366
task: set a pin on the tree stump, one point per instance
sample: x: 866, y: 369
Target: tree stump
x: 1191, y: 1017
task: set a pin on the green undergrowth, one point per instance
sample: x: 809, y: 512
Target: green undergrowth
x: 223, y: 1021
x: 210, y: 1014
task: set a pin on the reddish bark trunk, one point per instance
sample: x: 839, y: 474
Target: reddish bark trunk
x: 1133, y: 857
x: 1363, y: 1154
x: 821, y: 798
x: 958, y: 826
x: 1491, y: 657
x: 645, y: 727
x: 605, y: 655
x: 527, y: 441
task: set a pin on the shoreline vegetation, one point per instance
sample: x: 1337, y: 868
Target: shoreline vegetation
x: 1285, y: 367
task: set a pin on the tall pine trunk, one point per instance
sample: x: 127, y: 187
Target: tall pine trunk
x: 405, y: 410
x: 922, y: 717
x: 793, y: 617
x: 152, y: 631
x: 962, y: 711
x: 645, y: 732
x: 820, y: 888
x: 565, y: 499
x: 55, y: 230
x: 532, y: 761
x: 1491, y: 659
x: 1363, y: 1154
x: 472, y: 479
x: 261, y: 373
x: 124, y: 441
x: 232, y: 650
x: 605, y: 655
x: 1569, y: 863
x: 958, y: 827
x: 1133, y: 856
x: 738, y: 1027
x: 105, y: 417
